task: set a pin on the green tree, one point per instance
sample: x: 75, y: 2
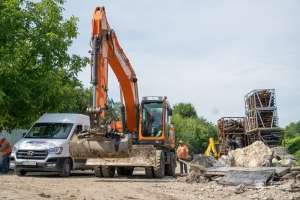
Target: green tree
x: 114, y: 111
x: 194, y: 131
x: 186, y: 110
x: 81, y: 100
x: 194, y: 135
x: 293, y: 145
x: 36, y: 71
x: 292, y: 130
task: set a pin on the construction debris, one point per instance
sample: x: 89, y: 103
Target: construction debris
x: 258, y: 155
x: 239, y: 189
x: 217, y: 171
x: 255, y: 155
x: 283, y: 163
x: 195, y: 177
x: 254, y: 178
x: 281, y: 153
x: 255, y: 166
x: 202, y: 160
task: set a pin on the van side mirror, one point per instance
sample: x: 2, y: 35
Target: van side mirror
x: 23, y: 135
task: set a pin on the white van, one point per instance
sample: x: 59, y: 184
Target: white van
x: 45, y: 147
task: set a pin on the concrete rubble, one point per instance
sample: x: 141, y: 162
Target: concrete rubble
x: 256, y: 155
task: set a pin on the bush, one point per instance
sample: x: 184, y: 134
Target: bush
x: 293, y: 145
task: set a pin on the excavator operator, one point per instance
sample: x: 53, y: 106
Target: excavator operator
x: 156, y: 123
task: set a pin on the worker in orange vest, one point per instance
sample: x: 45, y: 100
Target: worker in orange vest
x: 5, y: 148
x: 182, y: 154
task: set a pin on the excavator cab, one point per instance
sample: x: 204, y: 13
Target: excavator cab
x: 155, y: 124
x: 152, y: 119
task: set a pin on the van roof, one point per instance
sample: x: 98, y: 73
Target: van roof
x: 60, y: 117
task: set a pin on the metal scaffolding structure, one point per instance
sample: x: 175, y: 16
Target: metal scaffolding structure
x: 231, y: 129
x: 261, y: 117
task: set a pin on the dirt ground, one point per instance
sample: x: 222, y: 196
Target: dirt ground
x: 84, y: 185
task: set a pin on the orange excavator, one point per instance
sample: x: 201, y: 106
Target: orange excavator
x: 143, y: 137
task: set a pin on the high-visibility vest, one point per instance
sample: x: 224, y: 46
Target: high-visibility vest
x: 8, y: 148
x: 182, y: 152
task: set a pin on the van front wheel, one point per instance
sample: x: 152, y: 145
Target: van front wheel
x: 66, y: 170
x: 20, y: 172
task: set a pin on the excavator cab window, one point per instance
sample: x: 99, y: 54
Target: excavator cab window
x: 152, y: 119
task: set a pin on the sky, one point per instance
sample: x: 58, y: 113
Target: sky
x: 207, y: 53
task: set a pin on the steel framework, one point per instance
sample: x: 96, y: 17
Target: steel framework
x: 261, y: 117
x: 227, y: 127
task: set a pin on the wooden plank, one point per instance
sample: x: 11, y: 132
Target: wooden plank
x: 279, y: 171
x: 254, y: 178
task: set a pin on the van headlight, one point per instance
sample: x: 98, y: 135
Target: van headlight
x: 56, y: 150
x: 14, y: 150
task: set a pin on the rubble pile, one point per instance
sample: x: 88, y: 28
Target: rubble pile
x: 255, y: 155
x: 204, y: 161
x: 195, y: 172
x: 283, y: 158
x: 258, y: 155
x: 195, y: 177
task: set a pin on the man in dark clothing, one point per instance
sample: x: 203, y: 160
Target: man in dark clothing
x: 6, y: 150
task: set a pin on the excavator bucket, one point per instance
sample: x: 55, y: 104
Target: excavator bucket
x: 114, y: 152
x: 140, y: 155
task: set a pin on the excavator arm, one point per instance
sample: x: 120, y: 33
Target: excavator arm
x: 104, y: 138
x: 106, y: 50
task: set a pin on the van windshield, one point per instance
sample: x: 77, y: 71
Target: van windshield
x: 50, y: 130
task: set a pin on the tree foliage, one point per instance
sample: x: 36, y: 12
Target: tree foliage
x: 37, y: 74
x: 292, y: 130
x: 82, y: 98
x: 293, y: 145
x: 114, y: 111
x: 194, y: 131
x: 186, y: 110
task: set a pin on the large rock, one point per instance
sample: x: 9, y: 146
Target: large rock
x: 283, y: 163
x: 281, y: 153
x: 202, y: 160
x: 224, y: 161
x: 254, y: 155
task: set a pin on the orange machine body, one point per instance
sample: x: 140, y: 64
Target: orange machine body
x: 120, y: 65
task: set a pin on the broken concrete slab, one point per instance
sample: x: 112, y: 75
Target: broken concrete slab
x: 279, y: 171
x: 254, y: 178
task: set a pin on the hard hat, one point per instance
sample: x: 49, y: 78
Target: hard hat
x: 180, y: 141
